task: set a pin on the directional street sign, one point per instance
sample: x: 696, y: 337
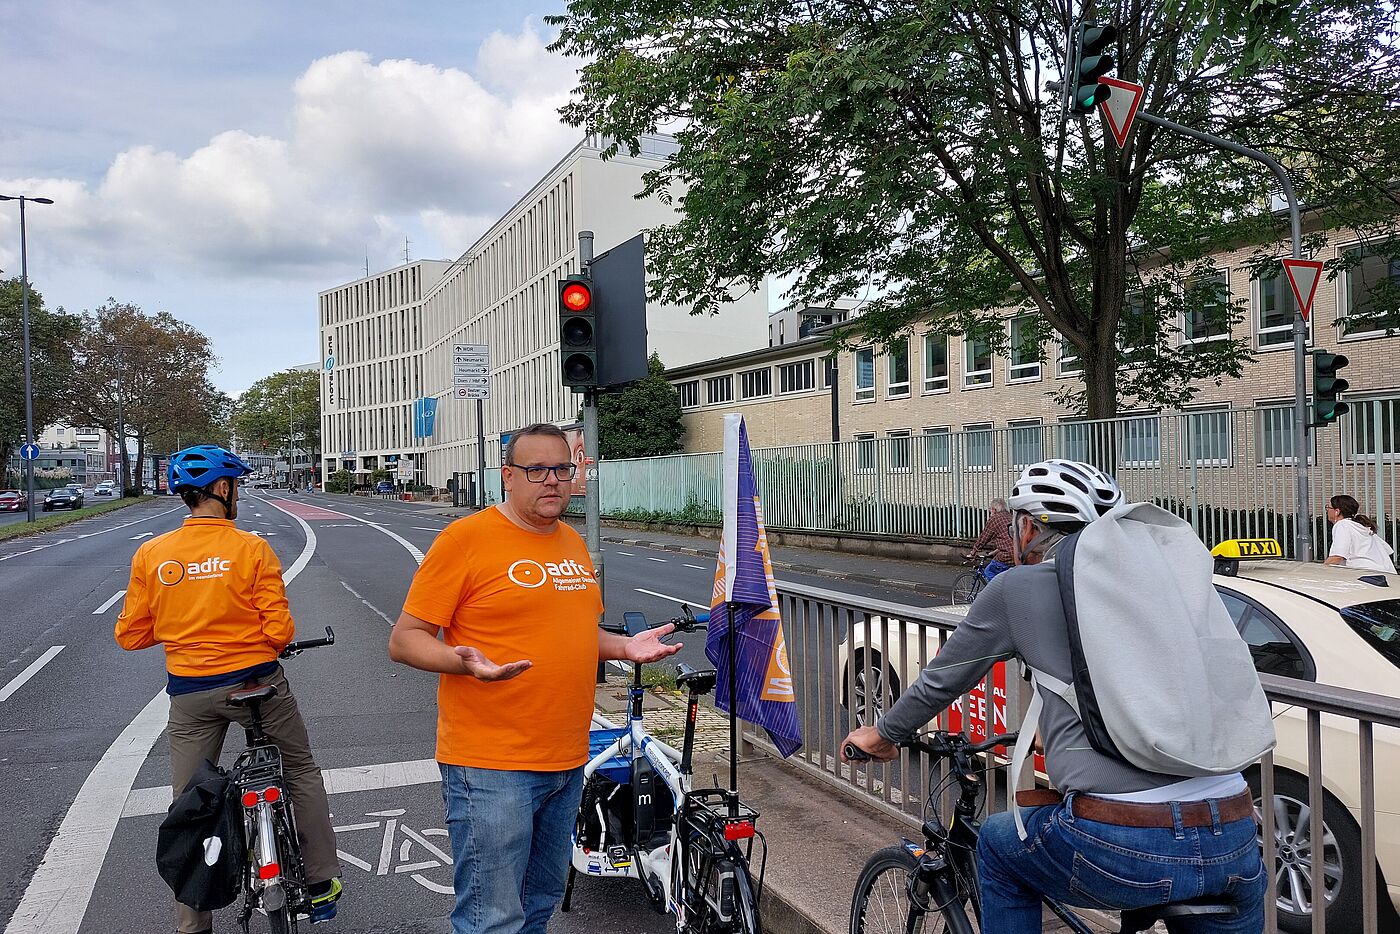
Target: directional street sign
x: 1121, y: 106
x: 1303, y: 276
x: 29, y: 452
x: 471, y: 370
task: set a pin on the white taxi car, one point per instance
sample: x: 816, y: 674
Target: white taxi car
x: 1325, y: 624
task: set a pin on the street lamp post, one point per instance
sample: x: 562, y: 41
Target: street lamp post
x: 24, y: 314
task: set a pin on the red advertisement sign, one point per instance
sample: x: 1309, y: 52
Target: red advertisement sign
x: 984, y: 711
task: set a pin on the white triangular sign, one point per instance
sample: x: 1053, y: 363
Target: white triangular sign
x: 1121, y: 107
x: 1303, y: 275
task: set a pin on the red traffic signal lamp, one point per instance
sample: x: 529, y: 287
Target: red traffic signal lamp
x: 578, y: 333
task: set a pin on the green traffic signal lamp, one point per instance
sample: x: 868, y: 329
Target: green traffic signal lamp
x: 1091, y: 62
x: 1327, y: 386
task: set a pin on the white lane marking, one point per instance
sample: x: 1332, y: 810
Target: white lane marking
x: 141, y: 536
x: 356, y: 593
x: 627, y: 553
x: 18, y: 680
x: 697, y: 567
x: 653, y: 593
x: 108, y: 605
x: 64, y: 541
x: 650, y: 558
x: 419, y: 528
x: 57, y: 896
x: 143, y: 802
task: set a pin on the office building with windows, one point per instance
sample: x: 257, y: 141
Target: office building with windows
x: 387, y: 340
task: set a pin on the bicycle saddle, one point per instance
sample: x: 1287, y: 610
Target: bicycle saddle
x: 1142, y: 919
x: 701, y: 681
x: 252, y: 695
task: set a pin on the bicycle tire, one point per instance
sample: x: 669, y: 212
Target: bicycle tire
x: 747, y: 917
x: 966, y: 587
x: 280, y: 921
x: 881, y: 902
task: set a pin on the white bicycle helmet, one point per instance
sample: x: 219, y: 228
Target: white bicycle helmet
x: 1059, y: 491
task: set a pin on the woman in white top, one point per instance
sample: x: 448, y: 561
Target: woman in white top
x: 1355, y: 541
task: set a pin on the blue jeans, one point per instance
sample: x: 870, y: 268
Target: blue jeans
x: 1093, y: 865
x: 510, y: 835
x: 994, y: 567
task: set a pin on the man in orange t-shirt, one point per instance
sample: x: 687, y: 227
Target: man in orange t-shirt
x: 512, y: 591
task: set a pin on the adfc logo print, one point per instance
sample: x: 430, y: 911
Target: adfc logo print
x: 171, y: 572
x: 528, y: 574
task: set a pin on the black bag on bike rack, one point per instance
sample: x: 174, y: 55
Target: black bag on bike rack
x: 201, y: 847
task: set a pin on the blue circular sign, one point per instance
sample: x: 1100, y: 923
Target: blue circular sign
x: 330, y: 363
x: 29, y: 452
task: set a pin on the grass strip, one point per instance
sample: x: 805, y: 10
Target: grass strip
x: 53, y: 520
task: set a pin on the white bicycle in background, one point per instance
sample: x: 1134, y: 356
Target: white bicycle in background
x: 641, y: 819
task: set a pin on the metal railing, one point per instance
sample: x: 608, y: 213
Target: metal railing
x: 849, y: 655
x: 1229, y: 472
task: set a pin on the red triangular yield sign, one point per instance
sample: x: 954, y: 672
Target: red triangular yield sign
x: 1303, y: 276
x: 1121, y: 106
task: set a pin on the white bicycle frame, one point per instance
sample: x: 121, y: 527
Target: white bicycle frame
x: 660, y: 863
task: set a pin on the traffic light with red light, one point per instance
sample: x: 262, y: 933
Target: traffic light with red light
x: 578, y: 333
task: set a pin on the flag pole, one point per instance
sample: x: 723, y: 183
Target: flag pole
x: 733, y: 713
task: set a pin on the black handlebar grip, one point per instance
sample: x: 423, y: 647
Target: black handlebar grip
x: 854, y: 753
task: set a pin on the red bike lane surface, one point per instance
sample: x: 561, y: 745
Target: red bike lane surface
x: 306, y: 510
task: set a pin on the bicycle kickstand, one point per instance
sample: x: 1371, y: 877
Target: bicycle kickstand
x: 568, y: 889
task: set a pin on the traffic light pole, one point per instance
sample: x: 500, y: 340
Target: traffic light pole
x: 592, y: 521
x: 1303, y: 515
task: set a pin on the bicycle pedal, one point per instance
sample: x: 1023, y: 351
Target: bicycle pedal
x: 618, y: 857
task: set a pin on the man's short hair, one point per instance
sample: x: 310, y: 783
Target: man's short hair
x: 539, y: 429
x: 998, y: 505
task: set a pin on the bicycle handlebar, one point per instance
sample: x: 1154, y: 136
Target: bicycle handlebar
x: 939, y: 744
x: 294, y: 649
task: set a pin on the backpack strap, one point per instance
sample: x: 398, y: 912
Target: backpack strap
x: 1029, y: 724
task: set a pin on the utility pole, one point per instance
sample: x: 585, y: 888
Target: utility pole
x: 291, y: 436
x: 121, y: 420
x: 24, y: 314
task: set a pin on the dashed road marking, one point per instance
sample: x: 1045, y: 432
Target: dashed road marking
x: 108, y: 604
x: 18, y: 680
x: 650, y: 558
x: 663, y: 596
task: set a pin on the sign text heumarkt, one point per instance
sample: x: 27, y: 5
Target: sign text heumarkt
x: 471, y: 366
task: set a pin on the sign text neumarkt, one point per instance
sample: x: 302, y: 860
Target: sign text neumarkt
x: 471, y: 369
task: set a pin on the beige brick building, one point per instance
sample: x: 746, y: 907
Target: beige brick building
x: 928, y: 384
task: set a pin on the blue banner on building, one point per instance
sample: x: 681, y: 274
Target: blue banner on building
x: 424, y: 417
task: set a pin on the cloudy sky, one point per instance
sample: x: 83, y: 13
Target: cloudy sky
x: 225, y: 161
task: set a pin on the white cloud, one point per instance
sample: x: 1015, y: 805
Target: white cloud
x: 373, y: 148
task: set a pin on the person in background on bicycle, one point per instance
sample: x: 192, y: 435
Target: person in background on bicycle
x: 995, y: 537
x: 1147, y: 842
x: 213, y: 596
x: 512, y: 591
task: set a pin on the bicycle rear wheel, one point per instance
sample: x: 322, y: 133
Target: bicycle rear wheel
x: 966, y: 587
x: 881, y: 903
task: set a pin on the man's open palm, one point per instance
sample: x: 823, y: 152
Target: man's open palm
x: 483, y: 669
x: 647, y: 646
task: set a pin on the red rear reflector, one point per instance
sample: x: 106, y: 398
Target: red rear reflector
x: 739, y: 830
x: 269, y: 871
x: 250, y: 798
x: 271, y: 794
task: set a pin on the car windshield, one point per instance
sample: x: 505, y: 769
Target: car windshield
x: 1379, y: 624
x: 8, y: 494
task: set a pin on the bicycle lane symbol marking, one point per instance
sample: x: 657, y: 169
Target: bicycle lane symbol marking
x: 407, y: 861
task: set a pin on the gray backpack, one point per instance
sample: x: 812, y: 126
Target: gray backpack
x: 1161, y: 678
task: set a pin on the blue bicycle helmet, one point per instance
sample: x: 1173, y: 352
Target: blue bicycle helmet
x: 197, y: 467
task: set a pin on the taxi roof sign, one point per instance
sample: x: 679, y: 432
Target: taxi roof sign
x: 1248, y: 549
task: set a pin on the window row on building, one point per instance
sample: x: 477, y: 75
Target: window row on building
x: 753, y: 383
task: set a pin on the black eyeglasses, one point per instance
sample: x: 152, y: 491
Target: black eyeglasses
x: 537, y: 474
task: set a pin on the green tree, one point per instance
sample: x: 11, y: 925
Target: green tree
x: 644, y: 420
x: 912, y: 146
x: 145, y: 376
x: 276, y: 405
x: 51, y: 336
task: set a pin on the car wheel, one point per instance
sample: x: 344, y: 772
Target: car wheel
x: 1293, y: 885
x: 875, y: 689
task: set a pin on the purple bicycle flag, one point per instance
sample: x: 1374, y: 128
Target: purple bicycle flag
x: 745, y: 602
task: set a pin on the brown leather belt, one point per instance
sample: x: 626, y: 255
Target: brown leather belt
x: 1139, y: 814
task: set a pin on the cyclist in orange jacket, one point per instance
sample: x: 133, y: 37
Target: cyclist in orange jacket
x: 213, y: 596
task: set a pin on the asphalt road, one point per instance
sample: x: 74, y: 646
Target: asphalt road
x: 81, y: 721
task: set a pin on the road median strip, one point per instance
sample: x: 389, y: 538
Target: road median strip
x: 54, y: 521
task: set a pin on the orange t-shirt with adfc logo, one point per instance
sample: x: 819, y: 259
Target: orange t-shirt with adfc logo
x: 514, y: 594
